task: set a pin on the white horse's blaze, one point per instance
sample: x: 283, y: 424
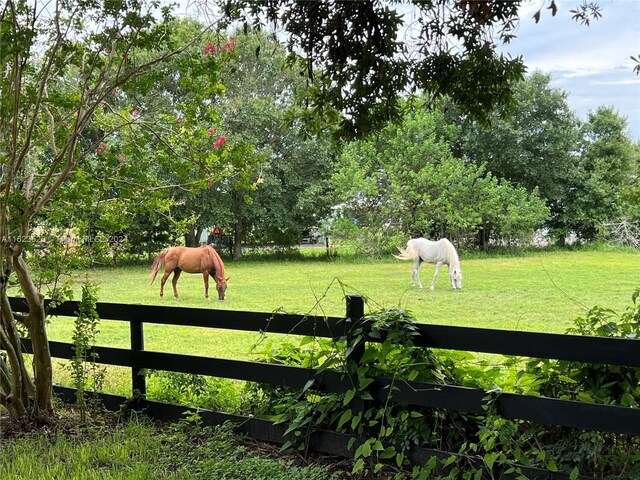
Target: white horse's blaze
x: 440, y: 252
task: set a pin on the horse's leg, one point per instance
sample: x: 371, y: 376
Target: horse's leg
x: 163, y: 281
x: 205, y: 275
x: 435, y: 275
x: 174, y: 281
x: 414, y: 272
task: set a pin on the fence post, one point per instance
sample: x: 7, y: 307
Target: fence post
x: 355, y: 313
x: 138, y: 381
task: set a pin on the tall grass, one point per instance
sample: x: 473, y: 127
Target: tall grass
x: 139, y: 450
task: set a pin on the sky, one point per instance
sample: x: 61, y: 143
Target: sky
x: 591, y: 63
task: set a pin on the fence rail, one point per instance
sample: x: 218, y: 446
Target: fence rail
x: 577, y: 414
x: 577, y: 348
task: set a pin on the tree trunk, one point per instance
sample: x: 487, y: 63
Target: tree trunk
x: 35, y: 323
x: 238, y: 235
x: 19, y: 394
x: 192, y: 237
x: 14, y: 392
x: 484, y: 237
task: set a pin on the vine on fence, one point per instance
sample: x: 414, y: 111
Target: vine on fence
x: 383, y: 433
x: 85, y: 371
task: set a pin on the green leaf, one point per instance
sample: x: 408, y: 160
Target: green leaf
x: 366, y: 396
x: 364, y: 450
x: 306, y: 341
x: 344, y: 418
x: 449, y: 460
x: 489, y: 459
x: 585, y: 397
x: 364, y: 382
x: 627, y: 400
x: 350, y: 443
x: 389, y: 452
x: 308, y: 385
x: 348, y: 396
x: 356, y: 421
x: 358, y: 466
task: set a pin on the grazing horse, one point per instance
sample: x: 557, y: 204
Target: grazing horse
x: 203, y: 260
x: 440, y: 252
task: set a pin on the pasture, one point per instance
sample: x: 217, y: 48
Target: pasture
x: 543, y: 291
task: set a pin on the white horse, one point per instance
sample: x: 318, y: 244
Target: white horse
x: 440, y: 252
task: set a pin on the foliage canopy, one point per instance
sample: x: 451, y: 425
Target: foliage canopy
x: 363, y: 58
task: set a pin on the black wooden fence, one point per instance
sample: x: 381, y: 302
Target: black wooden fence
x: 549, y: 411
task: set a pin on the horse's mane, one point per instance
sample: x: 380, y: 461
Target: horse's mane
x: 217, y: 262
x: 452, y: 254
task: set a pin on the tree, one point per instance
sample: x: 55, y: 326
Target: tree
x: 287, y: 191
x: 605, y: 175
x: 407, y: 182
x: 221, y: 154
x: 535, y: 147
x: 65, y: 69
x: 175, y: 155
x: 362, y: 57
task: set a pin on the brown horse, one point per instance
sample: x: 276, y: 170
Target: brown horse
x: 203, y: 260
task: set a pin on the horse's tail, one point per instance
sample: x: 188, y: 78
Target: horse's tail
x: 408, y: 254
x: 157, y: 263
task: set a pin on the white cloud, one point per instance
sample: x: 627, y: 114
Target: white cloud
x: 591, y: 63
x: 635, y: 82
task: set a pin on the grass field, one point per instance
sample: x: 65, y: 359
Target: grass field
x: 542, y: 291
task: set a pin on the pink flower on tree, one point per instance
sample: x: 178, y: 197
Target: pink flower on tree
x: 230, y: 46
x: 121, y: 158
x: 210, y: 49
x: 211, y: 130
x: 210, y: 183
x: 220, y: 142
x: 135, y: 114
x: 101, y: 148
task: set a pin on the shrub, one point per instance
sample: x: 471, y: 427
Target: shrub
x: 385, y: 431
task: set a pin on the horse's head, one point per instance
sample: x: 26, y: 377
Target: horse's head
x: 456, y: 277
x: 221, y: 286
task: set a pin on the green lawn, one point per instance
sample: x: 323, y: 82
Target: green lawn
x: 140, y: 450
x: 539, y: 292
